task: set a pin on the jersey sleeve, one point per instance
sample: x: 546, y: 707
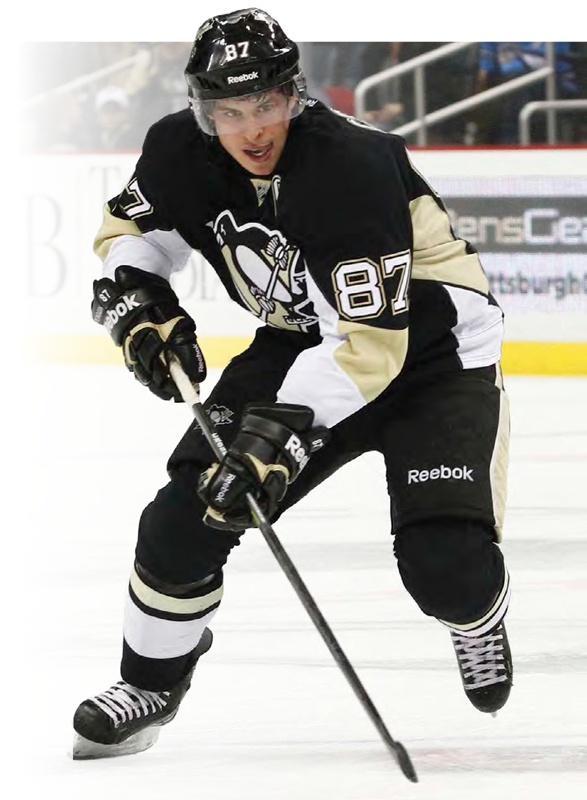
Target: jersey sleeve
x: 135, y: 229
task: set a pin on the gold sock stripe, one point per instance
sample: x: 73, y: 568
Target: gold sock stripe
x: 172, y: 605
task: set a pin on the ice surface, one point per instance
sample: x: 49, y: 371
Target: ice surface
x: 269, y: 716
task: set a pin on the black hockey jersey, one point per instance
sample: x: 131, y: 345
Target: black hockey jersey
x: 345, y: 242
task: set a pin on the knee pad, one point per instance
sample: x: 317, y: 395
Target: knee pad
x: 452, y: 567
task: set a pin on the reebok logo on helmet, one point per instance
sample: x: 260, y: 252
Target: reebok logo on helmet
x: 248, y: 76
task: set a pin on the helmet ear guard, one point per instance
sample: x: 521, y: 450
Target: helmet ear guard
x: 242, y: 55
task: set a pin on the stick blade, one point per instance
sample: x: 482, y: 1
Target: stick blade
x: 405, y: 762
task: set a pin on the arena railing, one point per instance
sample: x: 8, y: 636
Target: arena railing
x: 423, y: 121
x: 544, y: 105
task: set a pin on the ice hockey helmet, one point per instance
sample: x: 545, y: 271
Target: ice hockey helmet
x: 238, y: 54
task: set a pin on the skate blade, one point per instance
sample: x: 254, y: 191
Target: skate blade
x: 84, y: 749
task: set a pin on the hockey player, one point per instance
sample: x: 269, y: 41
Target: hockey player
x: 378, y: 327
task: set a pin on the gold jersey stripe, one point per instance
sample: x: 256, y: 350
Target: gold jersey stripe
x: 371, y: 357
x: 498, y: 469
x: 112, y: 227
x: 438, y: 256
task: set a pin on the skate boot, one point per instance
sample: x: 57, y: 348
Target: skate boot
x: 485, y: 664
x: 125, y: 719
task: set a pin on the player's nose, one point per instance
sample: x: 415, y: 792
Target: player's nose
x: 253, y: 130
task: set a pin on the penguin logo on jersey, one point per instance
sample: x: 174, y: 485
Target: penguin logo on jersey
x: 268, y: 272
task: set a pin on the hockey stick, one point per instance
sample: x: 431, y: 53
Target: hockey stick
x: 191, y: 397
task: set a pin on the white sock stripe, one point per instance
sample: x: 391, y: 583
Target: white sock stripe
x: 153, y: 637
x: 173, y: 605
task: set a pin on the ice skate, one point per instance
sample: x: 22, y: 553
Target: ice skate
x: 485, y: 664
x: 124, y: 719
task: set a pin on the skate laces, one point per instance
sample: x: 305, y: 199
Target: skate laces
x: 481, y: 659
x: 122, y: 702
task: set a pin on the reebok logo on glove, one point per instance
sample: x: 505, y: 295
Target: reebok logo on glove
x: 121, y: 308
x: 294, y: 446
x: 225, y: 487
x: 199, y: 357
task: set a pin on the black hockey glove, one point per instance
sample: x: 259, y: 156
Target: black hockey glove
x: 273, y: 445
x: 142, y: 314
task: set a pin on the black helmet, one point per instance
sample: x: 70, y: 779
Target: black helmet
x: 240, y: 54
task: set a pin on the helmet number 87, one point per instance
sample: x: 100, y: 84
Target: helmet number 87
x: 359, y: 285
x: 238, y: 50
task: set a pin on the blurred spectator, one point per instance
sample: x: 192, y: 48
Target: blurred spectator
x: 446, y: 81
x: 46, y: 65
x: 330, y: 74
x: 392, y: 103
x: 318, y: 93
x: 156, y: 84
x: 386, y: 116
x: 64, y: 121
x: 333, y: 70
x: 384, y: 108
x: 113, y: 126
x: 336, y: 63
x: 497, y: 122
x: 577, y: 120
x: 104, y: 54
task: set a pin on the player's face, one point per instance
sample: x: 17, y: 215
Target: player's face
x: 253, y: 129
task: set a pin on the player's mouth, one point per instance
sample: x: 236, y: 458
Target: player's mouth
x: 260, y: 155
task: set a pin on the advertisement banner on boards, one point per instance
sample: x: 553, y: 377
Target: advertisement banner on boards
x: 531, y: 234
